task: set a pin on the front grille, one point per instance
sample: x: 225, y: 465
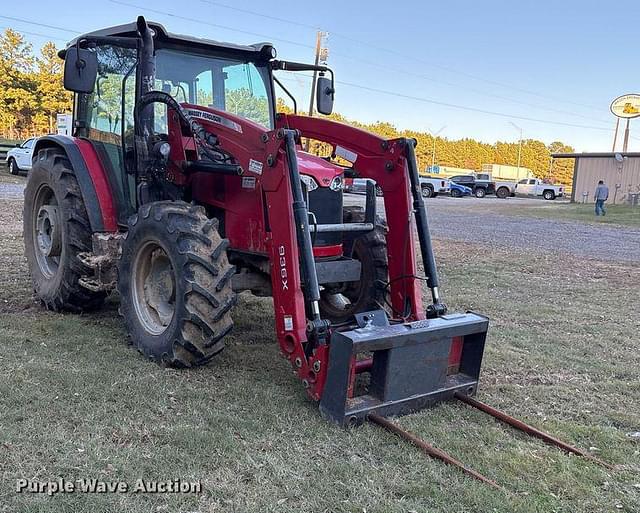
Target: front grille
x: 326, y: 205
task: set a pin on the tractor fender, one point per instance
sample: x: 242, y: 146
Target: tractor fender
x: 91, y: 177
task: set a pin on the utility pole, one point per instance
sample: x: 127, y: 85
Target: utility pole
x: 519, y: 146
x: 433, y: 151
x: 319, y: 36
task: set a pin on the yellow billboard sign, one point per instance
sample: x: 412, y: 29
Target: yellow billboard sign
x: 626, y: 106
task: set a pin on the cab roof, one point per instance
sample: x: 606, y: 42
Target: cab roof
x: 162, y: 36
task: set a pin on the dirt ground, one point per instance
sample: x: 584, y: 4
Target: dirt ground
x: 563, y: 353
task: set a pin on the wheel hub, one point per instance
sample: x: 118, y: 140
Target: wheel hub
x: 154, y: 288
x: 48, y: 231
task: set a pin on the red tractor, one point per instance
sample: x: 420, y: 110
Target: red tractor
x: 182, y: 186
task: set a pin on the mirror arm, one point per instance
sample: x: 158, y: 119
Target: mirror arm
x: 296, y: 66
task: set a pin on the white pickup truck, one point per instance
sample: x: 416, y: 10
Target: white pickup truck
x: 536, y: 187
x: 431, y: 186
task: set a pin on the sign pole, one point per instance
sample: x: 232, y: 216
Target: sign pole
x: 615, y: 135
x: 626, y: 137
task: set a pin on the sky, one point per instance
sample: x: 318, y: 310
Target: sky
x: 476, y: 68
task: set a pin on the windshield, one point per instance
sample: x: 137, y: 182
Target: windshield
x: 235, y: 86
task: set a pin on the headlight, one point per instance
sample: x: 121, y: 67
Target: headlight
x: 337, y: 184
x: 311, y: 184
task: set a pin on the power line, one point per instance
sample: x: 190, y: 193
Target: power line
x: 477, y: 91
x: 368, y: 63
x: 401, y: 54
x: 216, y: 25
x: 268, y: 16
x: 465, y: 107
x: 37, y: 34
x: 348, y: 84
x: 31, y: 22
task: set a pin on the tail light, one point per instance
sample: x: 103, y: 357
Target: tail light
x: 442, y: 183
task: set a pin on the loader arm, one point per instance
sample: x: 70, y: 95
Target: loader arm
x: 388, y: 163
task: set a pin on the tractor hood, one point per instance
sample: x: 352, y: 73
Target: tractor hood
x: 215, y: 120
x: 318, y: 168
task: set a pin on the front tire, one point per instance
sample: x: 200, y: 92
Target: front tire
x: 13, y: 167
x: 455, y: 193
x: 56, y: 230
x: 340, y: 302
x: 480, y: 192
x: 174, y: 281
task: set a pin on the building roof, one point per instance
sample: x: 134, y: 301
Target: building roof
x: 593, y: 155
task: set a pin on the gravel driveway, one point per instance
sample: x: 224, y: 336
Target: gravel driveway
x: 485, y: 221
x: 11, y: 191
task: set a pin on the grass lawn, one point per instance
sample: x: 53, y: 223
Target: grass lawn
x: 616, y: 214
x: 563, y: 353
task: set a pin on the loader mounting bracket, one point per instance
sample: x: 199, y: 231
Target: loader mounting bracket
x: 410, y: 367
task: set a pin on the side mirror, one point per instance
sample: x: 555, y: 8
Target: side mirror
x: 324, y: 95
x: 80, y: 70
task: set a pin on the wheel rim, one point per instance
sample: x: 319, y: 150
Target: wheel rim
x: 154, y: 288
x: 11, y: 167
x: 426, y: 192
x: 47, y: 232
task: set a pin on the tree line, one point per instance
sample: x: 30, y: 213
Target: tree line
x: 31, y: 91
x: 31, y: 94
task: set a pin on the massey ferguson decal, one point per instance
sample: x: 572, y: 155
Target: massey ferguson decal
x: 214, y: 118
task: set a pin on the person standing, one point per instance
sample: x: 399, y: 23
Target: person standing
x: 601, y: 195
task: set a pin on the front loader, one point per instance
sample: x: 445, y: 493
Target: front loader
x: 182, y: 187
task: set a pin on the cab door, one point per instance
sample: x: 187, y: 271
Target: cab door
x: 105, y: 118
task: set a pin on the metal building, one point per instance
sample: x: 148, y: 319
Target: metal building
x: 620, y: 171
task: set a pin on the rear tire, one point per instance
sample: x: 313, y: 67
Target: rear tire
x: 502, y: 192
x: 427, y: 191
x: 56, y: 229
x: 480, y: 192
x: 175, y: 284
x: 369, y: 293
x: 549, y: 195
x: 13, y: 167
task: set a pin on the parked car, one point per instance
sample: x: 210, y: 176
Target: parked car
x: 536, y: 187
x: 359, y: 186
x: 479, y: 187
x: 458, y: 191
x: 19, y: 158
x: 431, y: 186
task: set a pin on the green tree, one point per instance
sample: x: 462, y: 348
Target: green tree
x: 52, y: 96
x: 18, y: 101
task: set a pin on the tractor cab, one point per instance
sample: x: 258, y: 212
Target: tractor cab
x: 210, y: 77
